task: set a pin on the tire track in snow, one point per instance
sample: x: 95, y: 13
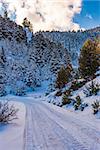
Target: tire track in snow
x: 28, y: 145
x: 67, y: 139
x: 85, y: 131
x: 44, y: 133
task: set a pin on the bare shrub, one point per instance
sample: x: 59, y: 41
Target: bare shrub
x: 7, y: 112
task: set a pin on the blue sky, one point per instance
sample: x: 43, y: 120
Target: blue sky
x: 90, y: 14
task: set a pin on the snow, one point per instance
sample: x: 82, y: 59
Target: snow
x: 80, y: 92
x: 57, y: 99
x: 28, y: 34
x: 11, y: 135
x: 49, y: 127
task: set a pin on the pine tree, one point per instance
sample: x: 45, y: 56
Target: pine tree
x: 5, y: 12
x: 63, y: 76
x: 2, y: 72
x: 69, y: 70
x: 88, y: 61
x: 97, y: 41
x: 27, y: 24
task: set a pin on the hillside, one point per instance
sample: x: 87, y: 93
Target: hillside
x: 24, y: 65
x: 73, y: 41
x: 27, y: 61
x: 46, y: 102
x: 47, y: 126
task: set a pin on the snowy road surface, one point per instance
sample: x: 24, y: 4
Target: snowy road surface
x: 48, y: 127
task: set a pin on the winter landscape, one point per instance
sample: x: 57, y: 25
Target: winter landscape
x: 49, y: 75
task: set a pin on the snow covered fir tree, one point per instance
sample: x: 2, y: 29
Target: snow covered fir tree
x: 49, y: 75
x: 2, y: 73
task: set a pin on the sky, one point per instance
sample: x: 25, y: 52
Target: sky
x: 59, y: 15
x: 90, y: 14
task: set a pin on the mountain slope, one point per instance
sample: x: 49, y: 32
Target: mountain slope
x: 72, y: 41
x: 28, y: 63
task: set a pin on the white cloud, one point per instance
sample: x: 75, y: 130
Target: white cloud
x: 47, y: 14
x: 89, y: 16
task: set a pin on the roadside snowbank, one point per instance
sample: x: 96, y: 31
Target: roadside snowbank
x: 11, y: 135
x: 87, y: 114
x: 85, y: 117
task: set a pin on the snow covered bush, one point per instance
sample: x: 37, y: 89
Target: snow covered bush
x: 7, y: 112
x: 51, y: 87
x: 19, y: 89
x: 96, y: 107
x: 92, y: 89
x: 76, y: 84
x: 79, y: 105
x: 58, y: 93
x: 20, y: 92
x: 66, y: 100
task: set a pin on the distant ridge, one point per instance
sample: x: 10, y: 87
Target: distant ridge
x: 96, y: 29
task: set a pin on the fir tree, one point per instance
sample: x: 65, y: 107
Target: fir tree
x: 88, y: 61
x: 27, y: 24
x: 97, y: 41
x: 5, y: 12
x: 69, y: 70
x: 2, y: 72
x: 63, y: 76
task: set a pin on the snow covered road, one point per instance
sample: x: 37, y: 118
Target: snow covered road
x: 49, y: 127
